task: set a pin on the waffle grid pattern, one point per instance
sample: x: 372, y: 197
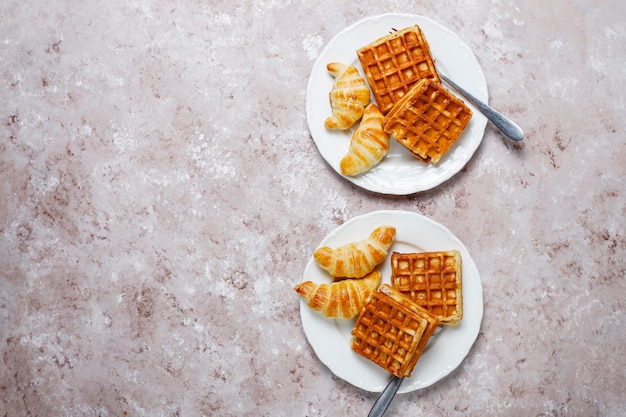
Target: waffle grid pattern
x: 393, y: 64
x: 431, y: 279
x: 389, y: 333
x: 428, y: 121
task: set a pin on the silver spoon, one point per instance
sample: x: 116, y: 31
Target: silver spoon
x: 383, y: 401
x: 506, y: 126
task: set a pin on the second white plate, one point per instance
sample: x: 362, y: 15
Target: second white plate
x: 398, y: 173
x: 330, y: 338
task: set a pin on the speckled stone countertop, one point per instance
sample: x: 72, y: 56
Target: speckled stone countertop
x: 161, y: 195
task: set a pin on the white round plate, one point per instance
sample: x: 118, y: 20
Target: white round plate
x: 330, y: 338
x: 399, y: 173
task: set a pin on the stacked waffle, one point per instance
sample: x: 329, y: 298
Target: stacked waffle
x: 392, y: 331
x: 395, y: 325
x: 421, y: 114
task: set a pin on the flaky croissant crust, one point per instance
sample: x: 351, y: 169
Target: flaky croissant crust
x: 340, y: 299
x: 348, y: 97
x: 356, y: 259
x: 369, y: 143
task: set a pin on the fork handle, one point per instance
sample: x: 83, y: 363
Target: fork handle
x: 506, y: 126
x: 383, y: 401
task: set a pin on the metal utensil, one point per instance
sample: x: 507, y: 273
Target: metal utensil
x: 506, y: 126
x: 383, y: 401
x: 385, y: 397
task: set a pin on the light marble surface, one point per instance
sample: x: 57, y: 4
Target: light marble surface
x: 161, y: 195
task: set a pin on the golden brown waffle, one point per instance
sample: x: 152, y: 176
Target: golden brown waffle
x: 428, y: 120
x: 394, y: 63
x: 433, y: 280
x: 392, y: 331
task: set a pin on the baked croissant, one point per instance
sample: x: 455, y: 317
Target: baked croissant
x: 369, y: 143
x: 356, y: 259
x: 348, y: 96
x: 340, y: 299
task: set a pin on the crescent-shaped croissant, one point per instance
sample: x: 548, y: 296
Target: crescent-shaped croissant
x: 348, y: 96
x: 340, y: 299
x: 356, y: 259
x: 369, y: 143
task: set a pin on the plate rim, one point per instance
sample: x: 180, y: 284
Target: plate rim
x: 431, y: 176
x: 472, y: 328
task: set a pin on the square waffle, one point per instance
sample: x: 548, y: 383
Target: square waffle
x: 433, y: 280
x: 394, y: 63
x: 428, y: 120
x: 392, y: 331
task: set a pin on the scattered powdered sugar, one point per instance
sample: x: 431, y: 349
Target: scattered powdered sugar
x: 311, y: 45
x: 123, y: 139
x: 223, y: 19
x: 45, y: 185
x: 556, y: 43
x: 336, y: 209
x: 203, y: 152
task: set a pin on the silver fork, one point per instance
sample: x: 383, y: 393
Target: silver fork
x: 506, y: 125
x: 383, y: 401
x: 385, y: 397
